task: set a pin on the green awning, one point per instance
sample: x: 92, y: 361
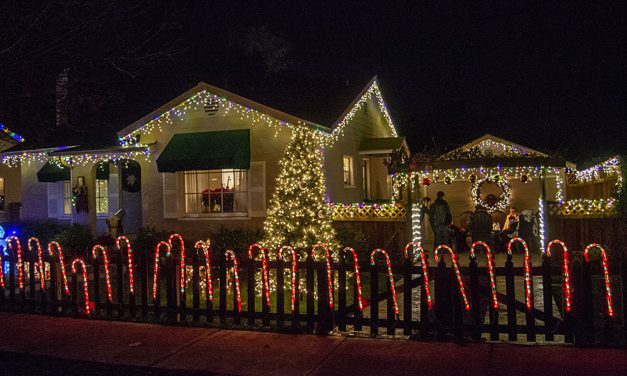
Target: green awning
x: 206, y: 151
x: 52, y: 172
x: 102, y: 171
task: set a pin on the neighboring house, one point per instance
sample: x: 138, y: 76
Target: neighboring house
x: 205, y: 160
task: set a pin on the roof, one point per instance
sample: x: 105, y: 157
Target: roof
x: 489, y: 137
x: 382, y: 145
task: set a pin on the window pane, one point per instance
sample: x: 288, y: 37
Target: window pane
x: 67, y: 197
x: 102, y: 196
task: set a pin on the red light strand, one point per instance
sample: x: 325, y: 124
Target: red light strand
x: 1, y: 271
x: 205, y: 246
x: 265, y: 274
x: 606, y: 275
x: 328, y: 258
x: 425, y: 269
x: 40, y: 261
x: 390, y: 274
x: 105, y: 257
x: 488, y: 251
x: 20, y: 263
x: 231, y: 255
x: 357, y: 277
x: 131, y: 265
x: 565, y: 272
x: 527, y: 269
x: 460, y: 282
x: 80, y: 261
x: 182, y: 262
x: 51, y: 247
x: 294, y: 278
x: 155, y: 278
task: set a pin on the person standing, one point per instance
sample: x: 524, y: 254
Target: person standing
x: 440, y: 218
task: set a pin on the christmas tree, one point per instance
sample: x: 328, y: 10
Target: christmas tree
x: 298, y: 214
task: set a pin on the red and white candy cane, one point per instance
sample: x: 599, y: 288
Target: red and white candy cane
x: 20, y: 263
x: 390, y: 275
x: 565, y: 271
x: 360, y: 301
x: 460, y: 282
x: 488, y: 251
x: 51, y: 247
x: 129, y: 255
x: 229, y: 254
x: 105, y: 258
x: 606, y: 274
x: 40, y: 261
x: 328, y: 258
x: 155, y: 275
x: 205, y: 246
x: 527, y: 270
x: 80, y: 261
x: 182, y: 262
x: 285, y: 249
x: 425, y: 269
x: 265, y: 274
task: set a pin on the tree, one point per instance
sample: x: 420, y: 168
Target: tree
x: 298, y: 214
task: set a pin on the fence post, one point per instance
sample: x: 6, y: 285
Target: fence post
x: 196, y: 287
x: 458, y: 319
x: 209, y: 302
x: 144, y: 282
x: 95, y: 263
x: 530, y: 320
x: 359, y: 315
x: 237, y: 319
x: 32, y: 265
x: 425, y: 325
x: 442, y: 298
x: 475, y: 312
x: 310, y: 292
x: 74, y: 296
x: 547, y: 296
x: 171, y: 287
x: 120, y: 284
x: 280, y: 293
x: 374, y: 302
x: 512, y: 326
x: 223, y: 287
x: 324, y: 311
x: 391, y: 314
x: 265, y: 308
x: 341, y: 293
x: 53, y: 284
x: 251, y: 291
x: 11, y: 279
x: 407, y: 298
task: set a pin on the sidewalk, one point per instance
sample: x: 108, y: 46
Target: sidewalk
x: 255, y: 353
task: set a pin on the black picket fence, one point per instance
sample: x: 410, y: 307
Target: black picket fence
x: 587, y: 323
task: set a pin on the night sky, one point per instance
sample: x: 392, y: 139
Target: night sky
x: 548, y: 75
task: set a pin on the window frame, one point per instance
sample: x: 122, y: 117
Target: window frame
x: 99, y: 196
x: 351, y: 171
x: 66, y: 188
x: 241, y: 192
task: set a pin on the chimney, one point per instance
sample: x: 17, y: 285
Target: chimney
x: 62, y: 99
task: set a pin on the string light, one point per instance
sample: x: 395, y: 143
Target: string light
x: 329, y: 260
x: 460, y: 282
x: 51, y: 248
x: 40, y: 261
x: 416, y: 225
x: 229, y: 254
x: 503, y: 199
x: 155, y: 278
x: 294, y: 279
x: 527, y: 270
x: 357, y: 277
x: 425, y: 269
x: 541, y: 227
x: 606, y: 274
x: 1, y: 272
x: 264, y: 269
x: 11, y: 134
x: 565, y: 270
x: 205, y: 246
x: 105, y: 257
x: 389, y: 271
x: 20, y: 263
x: 488, y: 251
x: 129, y: 255
x: 182, y: 261
x: 76, y: 262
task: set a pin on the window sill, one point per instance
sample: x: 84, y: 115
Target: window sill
x: 214, y: 216
x: 350, y: 186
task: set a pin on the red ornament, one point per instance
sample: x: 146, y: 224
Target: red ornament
x: 426, y: 181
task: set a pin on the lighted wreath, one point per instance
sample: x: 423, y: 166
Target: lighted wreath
x: 503, y: 200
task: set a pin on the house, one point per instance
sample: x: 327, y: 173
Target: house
x: 206, y: 159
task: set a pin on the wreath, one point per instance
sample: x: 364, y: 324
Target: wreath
x: 503, y: 200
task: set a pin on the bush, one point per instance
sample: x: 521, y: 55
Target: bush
x: 148, y: 238
x: 237, y: 240
x: 46, y: 231
x: 76, y: 240
x: 348, y: 235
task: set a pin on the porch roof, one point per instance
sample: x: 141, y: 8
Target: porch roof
x: 53, y: 172
x: 206, y: 151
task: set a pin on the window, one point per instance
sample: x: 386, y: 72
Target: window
x: 216, y: 192
x: 102, y: 196
x: 348, y: 171
x: 365, y: 173
x: 67, y: 197
x: 2, y: 197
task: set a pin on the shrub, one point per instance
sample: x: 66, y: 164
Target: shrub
x: 237, y: 240
x: 148, y: 238
x: 76, y: 240
x: 348, y: 235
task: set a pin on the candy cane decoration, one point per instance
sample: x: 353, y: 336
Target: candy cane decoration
x: 488, y: 251
x: 425, y: 269
x: 264, y: 269
x: 105, y: 257
x: 527, y: 267
x: 51, y: 247
x: 606, y: 275
x: 390, y: 275
x: 155, y: 278
x: 182, y: 263
x: 357, y: 277
x: 462, y: 291
x: 287, y: 248
x: 565, y: 271
x: 80, y: 261
x: 20, y: 264
x: 40, y: 263
x: 205, y: 248
x: 328, y: 266
x: 230, y: 254
x: 131, y: 266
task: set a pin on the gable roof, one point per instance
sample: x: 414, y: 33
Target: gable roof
x: 524, y: 150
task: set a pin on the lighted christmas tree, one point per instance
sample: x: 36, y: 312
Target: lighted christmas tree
x: 298, y: 214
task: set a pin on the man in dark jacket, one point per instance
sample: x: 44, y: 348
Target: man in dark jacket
x: 440, y: 218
